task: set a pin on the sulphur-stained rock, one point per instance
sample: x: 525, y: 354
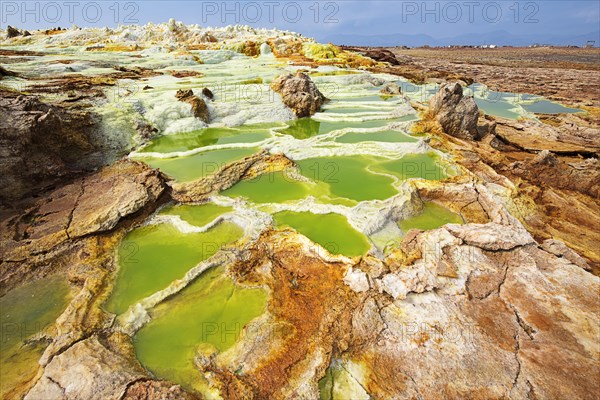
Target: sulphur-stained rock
x: 391, y: 88
x: 560, y: 249
x: 95, y: 203
x: 199, y: 108
x: 572, y: 135
x: 157, y: 390
x: 491, y: 236
x: 514, y: 317
x: 458, y: 115
x: 357, y: 280
x: 93, y: 368
x: 299, y: 93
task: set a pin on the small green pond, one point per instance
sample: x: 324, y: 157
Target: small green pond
x: 153, y: 256
x: 422, y: 165
x: 206, y: 316
x: 24, y: 312
x: 380, y: 136
x: 433, y: 216
x: 190, y: 168
x: 331, y: 231
x: 205, y: 137
x: 349, y: 177
x: 197, y: 215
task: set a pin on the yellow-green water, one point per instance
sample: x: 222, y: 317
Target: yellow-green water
x: 381, y: 136
x: 207, y: 316
x: 271, y: 187
x: 433, y: 216
x: 349, y: 177
x: 207, y: 137
x: 331, y: 231
x: 197, y: 215
x: 153, y: 256
x: 197, y: 166
x: 24, y: 312
x: 425, y: 166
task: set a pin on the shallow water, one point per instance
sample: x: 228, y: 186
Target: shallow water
x: 25, y: 312
x: 433, y: 216
x: 207, y: 316
x: 153, y: 256
x: 196, y: 166
x: 380, y: 136
x: 548, y: 107
x: 272, y: 187
x: 331, y: 231
x: 304, y: 128
x: 205, y: 137
x: 425, y: 166
x: 348, y: 177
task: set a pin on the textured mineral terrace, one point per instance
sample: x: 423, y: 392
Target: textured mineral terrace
x: 191, y: 212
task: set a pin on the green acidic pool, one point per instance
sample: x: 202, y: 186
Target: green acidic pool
x: 348, y: 177
x: 271, y: 187
x: 25, y: 311
x: 381, y: 136
x: 205, y: 137
x: 425, y: 165
x: 304, y: 128
x: 189, y: 168
x: 331, y: 231
x: 433, y: 216
x: 206, y: 316
x: 153, y: 256
x: 197, y: 215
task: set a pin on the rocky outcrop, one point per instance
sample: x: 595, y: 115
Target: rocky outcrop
x: 94, y: 368
x: 382, y: 55
x: 12, y: 32
x: 199, y: 108
x: 299, y: 93
x: 40, y: 143
x: 92, y: 204
x: 206, y: 92
x: 157, y: 390
x: 458, y: 115
x: 391, y: 89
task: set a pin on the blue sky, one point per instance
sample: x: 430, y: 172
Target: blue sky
x: 323, y: 19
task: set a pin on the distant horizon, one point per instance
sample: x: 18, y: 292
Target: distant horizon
x: 523, y: 22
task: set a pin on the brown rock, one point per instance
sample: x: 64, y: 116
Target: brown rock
x: 90, y: 369
x: 299, y: 93
x: 458, y: 115
x: 157, y: 390
x: 199, y: 108
x: 92, y: 204
x: 206, y: 92
x: 12, y: 32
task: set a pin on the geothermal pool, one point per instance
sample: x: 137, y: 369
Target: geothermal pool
x: 351, y: 160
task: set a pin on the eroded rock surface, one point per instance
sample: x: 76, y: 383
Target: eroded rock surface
x: 199, y: 109
x: 93, y: 368
x: 92, y: 204
x: 41, y: 143
x: 299, y: 93
x: 458, y: 115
